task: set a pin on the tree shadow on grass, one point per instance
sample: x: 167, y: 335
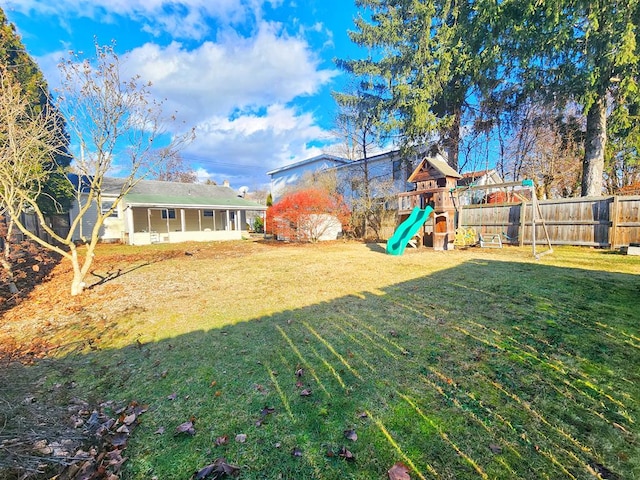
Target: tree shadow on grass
x: 493, y: 369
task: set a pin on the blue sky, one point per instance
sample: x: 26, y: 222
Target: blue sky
x: 252, y: 76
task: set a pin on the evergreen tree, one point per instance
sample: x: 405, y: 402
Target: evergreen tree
x: 56, y: 194
x: 586, y: 52
x: 427, y: 57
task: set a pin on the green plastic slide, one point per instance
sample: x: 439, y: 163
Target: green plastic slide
x: 407, y: 229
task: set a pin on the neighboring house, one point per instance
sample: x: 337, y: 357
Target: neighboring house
x: 168, y: 212
x: 478, y: 178
x: 385, y: 167
x: 292, y: 174
x: 633, y: 189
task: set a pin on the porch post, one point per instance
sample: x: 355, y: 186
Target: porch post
x: 238, y: 220
x: 228, y: 226
x: 128, y: 215
x: 182, y: 220
x: 149, y: 220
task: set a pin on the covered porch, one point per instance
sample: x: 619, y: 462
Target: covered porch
x: 146, y: 225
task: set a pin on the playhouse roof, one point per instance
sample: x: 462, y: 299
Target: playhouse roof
x: 433, y: 167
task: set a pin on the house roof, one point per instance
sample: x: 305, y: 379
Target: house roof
x: 156, y: 193
x: 436, y: 166
x: 308, y: 161
x: 633, y: 189
x: 486, y: 176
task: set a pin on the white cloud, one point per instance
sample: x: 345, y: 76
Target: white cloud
x: 233, y: 73
x: 238, y: 91
x: 181, y: 18
x: 238, y: 94
x: 250, y: 145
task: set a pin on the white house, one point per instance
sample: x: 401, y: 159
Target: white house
x: 389, y: 166
x: 170, y: 212
x: 291, y: 174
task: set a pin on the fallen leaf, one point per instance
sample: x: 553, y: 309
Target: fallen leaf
x: 119, y: 439
x: 213, y: 383
x: 218, y: 393
x: 306, y: 392
x: 129, y: 419
x: 299, y: 384
x: 42, y: 447
x: 495, y: 448
x: 296, y: 452
x: 159, y: 431
x: 216, y: 470
x: 363, y: 415
x: 114, y: 459
x: 205, y: 472
x: 399, y: 472
x: 224, y: 467
x: 223, y: 440
x: 173, y: 396
x: 346, y: 454
x: 139, y: 409
x: 241, y: 438
x: 351, y: 435
x: 299, y: 372
x: 186, y: 427
x: 267, y: 411
x: 123, y: 429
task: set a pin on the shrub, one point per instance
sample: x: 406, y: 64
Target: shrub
x: 307, y: 215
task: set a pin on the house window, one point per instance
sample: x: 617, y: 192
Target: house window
x: 169, y: 213
x: 207, y: 213
x: 104, y: 209
x: 397, y: 169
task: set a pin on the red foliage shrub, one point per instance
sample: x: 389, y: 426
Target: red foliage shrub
x: 306, y: 215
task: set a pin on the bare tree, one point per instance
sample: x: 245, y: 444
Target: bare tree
x: 174, y: 169
x: 29, y: 140
x: 115, y: 123
x: 359, y: 127
x: 547, y: 149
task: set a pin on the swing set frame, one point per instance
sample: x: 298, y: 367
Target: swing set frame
x: 468, y: 234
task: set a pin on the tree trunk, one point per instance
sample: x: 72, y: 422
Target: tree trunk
x: 452, y: 141
x: 77, y: 284
x: 595, y: 142
x: 5, y: 259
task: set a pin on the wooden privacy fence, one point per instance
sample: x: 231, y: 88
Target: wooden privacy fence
x: 589, y: 221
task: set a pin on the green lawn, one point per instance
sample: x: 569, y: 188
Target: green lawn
x: 466, y: 364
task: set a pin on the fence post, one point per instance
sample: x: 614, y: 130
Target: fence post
x: 613, y: 218
x: 523, y: 214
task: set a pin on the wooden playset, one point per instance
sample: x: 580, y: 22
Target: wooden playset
x: 441, y: 226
